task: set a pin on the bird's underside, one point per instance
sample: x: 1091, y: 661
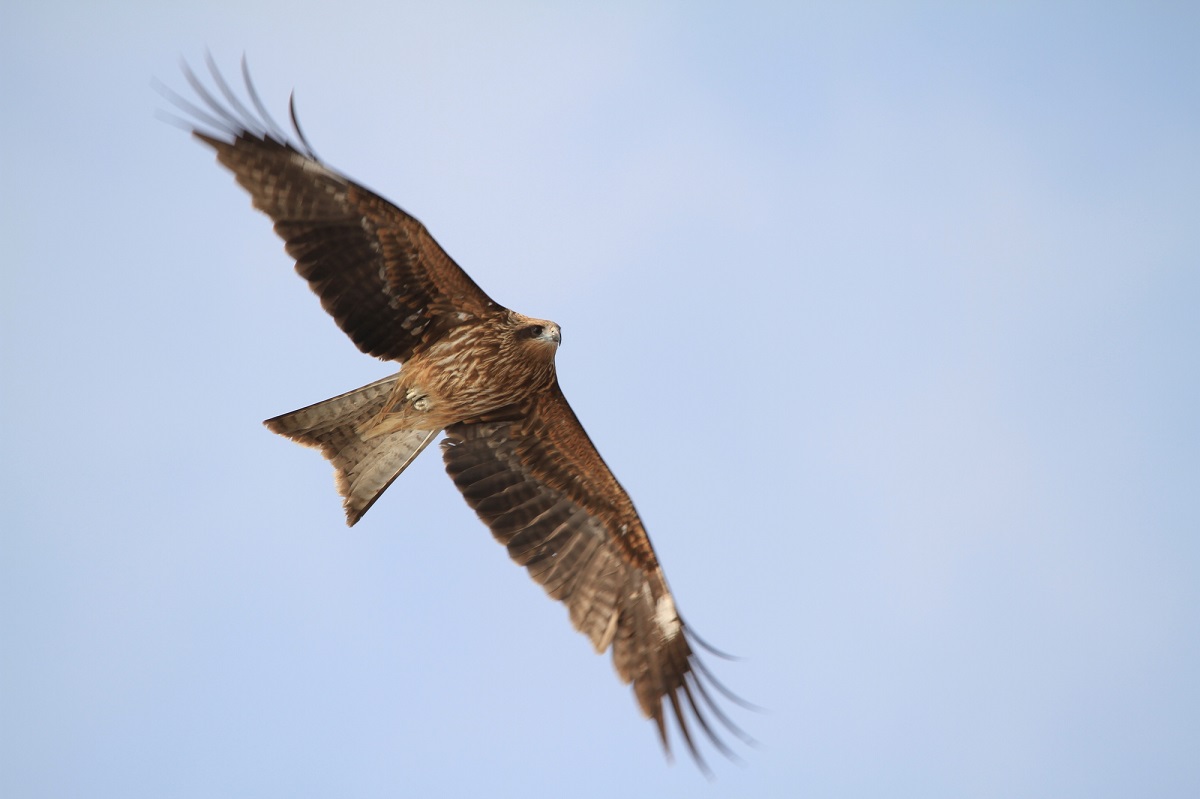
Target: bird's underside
x: 482, y: 374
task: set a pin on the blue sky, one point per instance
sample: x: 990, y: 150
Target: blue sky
x: 885, y: 314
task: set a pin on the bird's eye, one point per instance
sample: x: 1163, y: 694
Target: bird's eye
x: 533, y: 331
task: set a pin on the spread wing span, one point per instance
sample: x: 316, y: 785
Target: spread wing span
x: 485, y: 375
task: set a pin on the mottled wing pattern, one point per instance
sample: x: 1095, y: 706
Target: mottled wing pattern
x: 537, y: 481
x: 379, y: 273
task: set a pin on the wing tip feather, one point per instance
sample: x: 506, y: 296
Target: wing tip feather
x: 688, y: 674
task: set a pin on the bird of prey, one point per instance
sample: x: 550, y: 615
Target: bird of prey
x: 482, y: 374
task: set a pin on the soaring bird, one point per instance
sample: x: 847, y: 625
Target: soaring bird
x: 482, y: 374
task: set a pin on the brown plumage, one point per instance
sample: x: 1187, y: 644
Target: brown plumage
x: 485, y: 376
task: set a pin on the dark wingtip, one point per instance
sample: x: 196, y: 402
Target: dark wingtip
x: 272, y: 127
x: 698, y: 707
x: 308, y: 150
x: 218, y: 116
x: 702, y: 667
x: 688, y: 740
x: 706, y: 646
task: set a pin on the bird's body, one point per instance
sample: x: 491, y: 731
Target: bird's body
x: 485, y: 376
x: 472, y: 370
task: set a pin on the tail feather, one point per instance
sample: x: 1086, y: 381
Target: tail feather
x: 364, y: 467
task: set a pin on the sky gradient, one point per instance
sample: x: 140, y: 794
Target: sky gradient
x: 886, y: 315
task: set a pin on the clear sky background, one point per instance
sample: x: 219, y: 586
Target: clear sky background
x: 887, y: 316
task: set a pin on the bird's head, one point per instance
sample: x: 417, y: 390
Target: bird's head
x: 537, y: 332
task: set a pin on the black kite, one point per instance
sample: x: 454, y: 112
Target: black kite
x: 482, y: 374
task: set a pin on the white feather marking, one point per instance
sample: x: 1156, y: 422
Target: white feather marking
x: 666, y: 617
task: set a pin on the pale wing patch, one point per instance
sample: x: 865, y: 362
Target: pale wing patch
x: 666, y: 617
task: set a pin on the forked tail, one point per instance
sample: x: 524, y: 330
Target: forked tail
x: 364, y: 467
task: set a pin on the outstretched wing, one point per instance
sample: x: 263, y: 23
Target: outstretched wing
x: 536, y: 480
x: 378, y: 272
